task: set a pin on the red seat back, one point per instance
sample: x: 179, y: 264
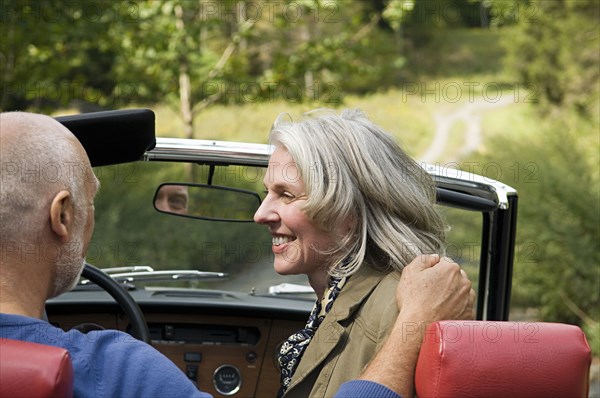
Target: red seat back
x: 34, y: 370
x: 503, y: 359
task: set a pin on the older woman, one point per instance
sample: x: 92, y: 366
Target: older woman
x: 347, y: 207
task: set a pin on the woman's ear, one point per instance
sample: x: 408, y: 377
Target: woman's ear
x: 61, y: 215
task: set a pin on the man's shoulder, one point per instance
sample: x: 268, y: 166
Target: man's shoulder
x: 20, y: 327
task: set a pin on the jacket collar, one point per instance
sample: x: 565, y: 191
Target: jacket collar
x: 358, y: 287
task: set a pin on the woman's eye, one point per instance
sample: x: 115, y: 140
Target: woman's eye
x: 288, y: 195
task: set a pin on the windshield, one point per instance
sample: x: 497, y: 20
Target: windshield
x: 133, y: 229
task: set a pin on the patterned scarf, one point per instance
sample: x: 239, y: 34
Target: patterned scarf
x: 292, y: 349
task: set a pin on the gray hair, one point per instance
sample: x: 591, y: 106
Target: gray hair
x: 353, y: 170
x: 37, y: 163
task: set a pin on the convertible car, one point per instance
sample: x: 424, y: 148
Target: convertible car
x: 176, y: 261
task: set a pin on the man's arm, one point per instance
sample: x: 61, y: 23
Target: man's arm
x: 391, y: 373
x: 430, y: 289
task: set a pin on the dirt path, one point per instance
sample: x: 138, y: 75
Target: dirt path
x: 471, y: 114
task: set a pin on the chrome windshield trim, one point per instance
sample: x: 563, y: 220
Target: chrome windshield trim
x: 135, y: 268
x: 248, y: 154
x: 210, y: 152
x: 473, y: 184
x: 144, y: 276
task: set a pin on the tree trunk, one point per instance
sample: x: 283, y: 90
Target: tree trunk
x: 185, y: 98
x: 185, y: 91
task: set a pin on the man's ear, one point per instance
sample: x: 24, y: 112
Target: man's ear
x: 61, y: 214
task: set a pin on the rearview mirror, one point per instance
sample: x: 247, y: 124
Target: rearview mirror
x: 206, y: 202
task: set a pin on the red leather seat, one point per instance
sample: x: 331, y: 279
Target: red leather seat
x: 503, y: 359
x: 34, y: 370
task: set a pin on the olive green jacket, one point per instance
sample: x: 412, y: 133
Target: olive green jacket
x: 349, y: 336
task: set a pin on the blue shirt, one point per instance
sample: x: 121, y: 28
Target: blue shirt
x: 109, y: 363
x: 364, y: 389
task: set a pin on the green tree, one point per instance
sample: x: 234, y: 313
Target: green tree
x: 557, y: 261
x: 193, y: 54
x: 189, y: 54
x: 178, y: 51
x: 54, y: 52
x: 555, y: 48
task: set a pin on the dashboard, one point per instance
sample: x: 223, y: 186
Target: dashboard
x: 225, y: 342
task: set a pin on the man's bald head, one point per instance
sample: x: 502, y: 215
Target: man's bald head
x: 39, y: 157
x: 19, y: 124
x: 43, y: 138
x: 46, y: 210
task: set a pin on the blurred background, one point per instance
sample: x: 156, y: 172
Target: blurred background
x: 504, y: 88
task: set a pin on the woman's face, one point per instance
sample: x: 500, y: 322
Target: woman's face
x: 297, y: 243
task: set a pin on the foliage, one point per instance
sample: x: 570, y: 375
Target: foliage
x: 171, y: 37
x: 191, y: 54
x: 329, y: 49
x: 505, y: 13
x: 54, y: 52
x: 554, y: 53
x: 592, y: 332
x: 434, y: 14
x: 557, y: 257
x: 465, y: 53
x: 556, y: 49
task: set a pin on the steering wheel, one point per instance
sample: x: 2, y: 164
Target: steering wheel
x: 139, y: 327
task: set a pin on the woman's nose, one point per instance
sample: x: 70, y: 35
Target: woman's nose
x: 266, y: 212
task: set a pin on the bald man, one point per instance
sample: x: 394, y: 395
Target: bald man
x: 46, y: 223
x: 47, y: 220
x: 47, y: 210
